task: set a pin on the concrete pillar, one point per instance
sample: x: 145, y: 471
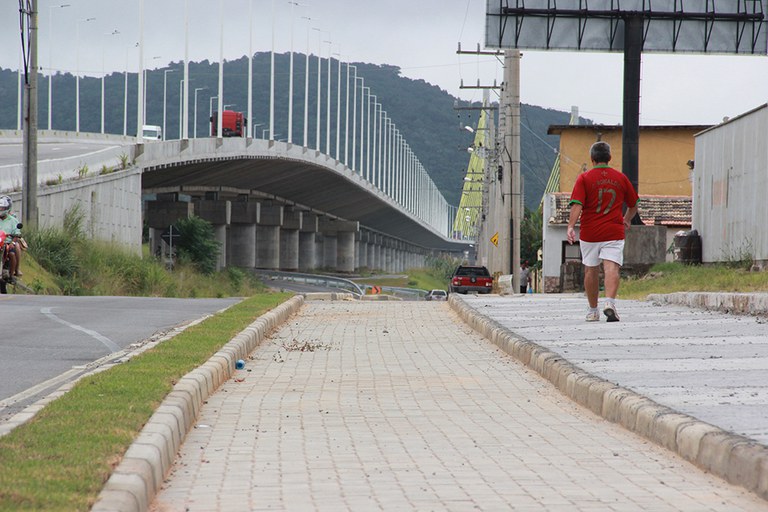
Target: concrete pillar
x: 242, y: 245
x: 345, y: 251
x: 268, y: 237
x: 339, y: 244
x: 330, y: 243
x: 220, y: 234
x: 362, y: 253
x: 289, y: 239
x: 242, y: 233
x: 370, y: 258
x: 289, y: 249
x: 307, y: 251
x: 319, y: 250
x: 377, y: 260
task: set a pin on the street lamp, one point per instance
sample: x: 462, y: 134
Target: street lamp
x: 144, y: 105
x: 77, y: 72
x: 50, y: 58
x: 165, y: 89
x: 194, y: 132
x: 113, y: 33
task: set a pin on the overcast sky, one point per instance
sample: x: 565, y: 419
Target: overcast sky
x: 419, y: 36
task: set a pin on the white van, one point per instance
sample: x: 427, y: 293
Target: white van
x: 151, y: 132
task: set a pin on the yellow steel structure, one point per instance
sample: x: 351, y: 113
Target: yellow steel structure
x: 467, y: 222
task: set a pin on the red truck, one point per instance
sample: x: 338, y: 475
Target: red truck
x: 232, y: 124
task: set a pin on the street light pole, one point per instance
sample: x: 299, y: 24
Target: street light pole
x: 249, y: 128
x: 182, y: 88
x: 77, y: 72
x: 113, y: 33
x: 50, y: 59
x: 165, y: 89
x: 194, y: 130
x: 306, y: 86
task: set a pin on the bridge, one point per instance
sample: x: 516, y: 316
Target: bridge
x: 273, y: 205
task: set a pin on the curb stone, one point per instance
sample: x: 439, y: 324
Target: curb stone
x: 136, y: 480
x: 734, y: 303
x: 734, y: 458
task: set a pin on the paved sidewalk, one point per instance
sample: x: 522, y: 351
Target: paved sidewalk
x: 401, y: 406
x: 710, y: 365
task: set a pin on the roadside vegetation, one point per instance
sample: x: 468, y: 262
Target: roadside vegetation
x: 69, y: 262
x: 677, y: 277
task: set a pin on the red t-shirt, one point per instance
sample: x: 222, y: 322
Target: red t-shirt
x: 602, y: 191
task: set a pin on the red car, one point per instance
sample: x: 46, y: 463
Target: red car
x: 471, y: 279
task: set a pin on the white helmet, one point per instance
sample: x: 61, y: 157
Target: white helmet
x: 5, y: 205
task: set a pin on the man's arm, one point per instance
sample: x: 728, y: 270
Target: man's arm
x: 575, y: 213
x: 629, y: 215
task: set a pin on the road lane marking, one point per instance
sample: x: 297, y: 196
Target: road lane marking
x: 103, y: 339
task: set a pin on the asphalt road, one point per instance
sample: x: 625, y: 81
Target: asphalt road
x: 13, y: 153
x: 49, y: 340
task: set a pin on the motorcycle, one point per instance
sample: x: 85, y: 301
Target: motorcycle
x: 5, y: 259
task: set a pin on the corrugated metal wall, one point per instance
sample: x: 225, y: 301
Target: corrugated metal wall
x: 730, y: 207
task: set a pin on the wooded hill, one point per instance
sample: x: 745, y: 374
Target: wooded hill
x: 423, y: 113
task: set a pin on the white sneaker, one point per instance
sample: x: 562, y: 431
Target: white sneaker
x: 610, y: 312
x: 593, y: 316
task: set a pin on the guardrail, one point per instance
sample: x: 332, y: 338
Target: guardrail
x: 313, y: 279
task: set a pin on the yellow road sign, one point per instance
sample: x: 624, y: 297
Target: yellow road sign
x: 495, y: 239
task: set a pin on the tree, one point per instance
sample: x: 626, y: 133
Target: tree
x: 197, y: 243
x: 531, y: 236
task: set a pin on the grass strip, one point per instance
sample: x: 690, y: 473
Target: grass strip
x: 61, y: 459
x: 676, y: 277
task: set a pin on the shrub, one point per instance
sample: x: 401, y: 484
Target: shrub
x: 197, y: 244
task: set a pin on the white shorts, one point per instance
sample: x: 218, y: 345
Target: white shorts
x: 593, y: 252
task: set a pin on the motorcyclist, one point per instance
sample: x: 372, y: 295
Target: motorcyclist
x: 9, y: 223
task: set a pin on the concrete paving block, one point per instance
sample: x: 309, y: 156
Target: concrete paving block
x: 666, y: 426
x: 152, y: 456
x: 744, y: 464
x: 111, y: 500
x: 179, y: 409
x: 560, y: 372
x: 143, y: 470
x: 629, y: 410
x: 689, y: 436
x: 164, y: 445
x: 172, y: 437
x: 612, y: 403
x: 762, y: 479
x: 219, y: 366
x: 163, y: 419
x: 596, y: 394
x: 170, y: 416
x: 581, y: 388
x: 715, y: 451
x: 132, y: 484
x: 190, y: 393
x: 197, y: 380
x: 646, y: 417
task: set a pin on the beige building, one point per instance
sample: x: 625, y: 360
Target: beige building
x: 665, y: 159
x: 664, y: 153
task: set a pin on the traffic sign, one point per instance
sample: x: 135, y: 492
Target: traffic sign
x: 495, y: 239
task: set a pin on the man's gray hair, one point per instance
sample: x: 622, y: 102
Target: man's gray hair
x: 600, y: 152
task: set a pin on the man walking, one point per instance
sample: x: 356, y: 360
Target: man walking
x: 598, y: 198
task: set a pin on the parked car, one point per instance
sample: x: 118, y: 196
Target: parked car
x: 436, y: 295
x: 471, y: 279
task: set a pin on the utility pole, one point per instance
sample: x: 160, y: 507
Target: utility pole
x: 29, y: 186
x: 511, y: 197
